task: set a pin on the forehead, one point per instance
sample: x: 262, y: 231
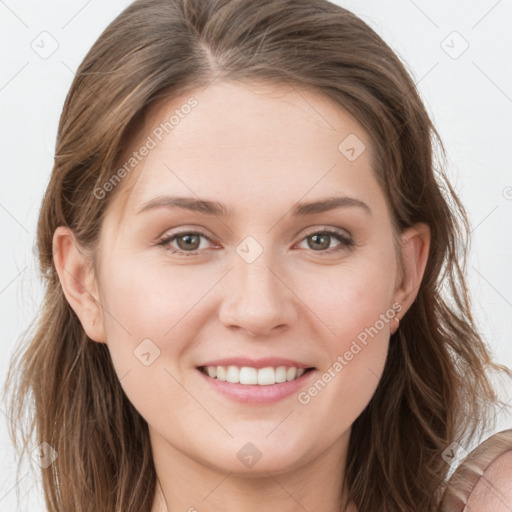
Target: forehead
x: 248, y: 142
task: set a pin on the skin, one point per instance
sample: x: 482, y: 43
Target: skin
x: 258, y: 149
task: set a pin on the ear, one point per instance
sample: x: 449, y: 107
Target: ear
x: 78, y: 281
x: 415, y: 245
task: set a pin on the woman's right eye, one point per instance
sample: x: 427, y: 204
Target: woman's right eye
x: 185, y: 240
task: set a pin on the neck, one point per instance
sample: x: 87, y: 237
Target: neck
x: 187, y: 484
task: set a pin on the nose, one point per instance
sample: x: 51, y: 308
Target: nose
x: 258, y: 300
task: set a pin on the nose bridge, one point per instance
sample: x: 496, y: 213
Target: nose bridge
x: 257, y: 300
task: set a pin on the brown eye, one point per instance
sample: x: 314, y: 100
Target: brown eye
x: 187, y: 242
x: 319, y: 241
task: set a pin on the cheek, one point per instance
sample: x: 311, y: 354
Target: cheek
x: 150, y: 321
x: 140, y: 311
x: 352, y: 297
x: 155, y: 315
x: 357, y: 307
x: 146, y: 301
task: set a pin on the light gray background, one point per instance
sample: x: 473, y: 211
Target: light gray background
x: 469, y: 96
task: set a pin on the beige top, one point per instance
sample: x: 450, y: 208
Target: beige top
x: 483, y: 481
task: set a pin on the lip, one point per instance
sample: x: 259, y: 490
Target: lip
x: 255, y: 363
x: 256, y: 394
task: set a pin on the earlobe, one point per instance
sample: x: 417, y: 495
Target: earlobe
x: 415, y: 247
x: 78, y: 282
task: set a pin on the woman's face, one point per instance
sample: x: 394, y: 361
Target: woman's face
x: 252, y: 278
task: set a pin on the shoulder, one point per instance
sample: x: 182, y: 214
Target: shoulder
x: 483, y: 481
x: 493, y: 491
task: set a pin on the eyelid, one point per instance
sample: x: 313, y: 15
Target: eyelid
x: 184, y: 230
x: 328, y: 229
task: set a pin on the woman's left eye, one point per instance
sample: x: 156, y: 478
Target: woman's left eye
x: 189, y: 242
x: 322, y: 239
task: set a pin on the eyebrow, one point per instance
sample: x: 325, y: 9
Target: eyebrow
x: 219, y: 210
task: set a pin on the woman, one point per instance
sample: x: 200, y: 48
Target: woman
x: 247, y: 242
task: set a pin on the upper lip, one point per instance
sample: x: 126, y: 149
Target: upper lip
x: 256, y: 363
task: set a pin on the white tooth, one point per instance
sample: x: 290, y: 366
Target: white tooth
x: 291, y: 373
x: 212, y: 371
x: 300, y: 371
x: 248, y: 375
x: 233, y: 375
x: 266, y: 376
x: 221, y: 373
x: 280, y: 374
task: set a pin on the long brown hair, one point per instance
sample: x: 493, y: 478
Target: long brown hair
x: 434, y: 389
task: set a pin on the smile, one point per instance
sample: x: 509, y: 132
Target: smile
x: 247, y: 375
x: 256, y: 386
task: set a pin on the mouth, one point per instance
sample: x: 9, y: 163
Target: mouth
x: 250, y: 376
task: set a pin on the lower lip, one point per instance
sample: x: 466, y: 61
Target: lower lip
x: 256, y: 394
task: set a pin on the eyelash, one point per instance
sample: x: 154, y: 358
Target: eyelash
x: 346, y: 242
